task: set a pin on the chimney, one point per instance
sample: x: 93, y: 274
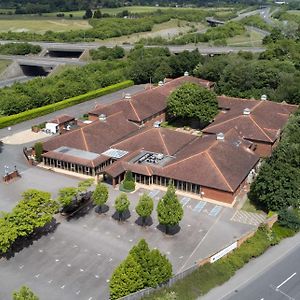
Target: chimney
x: 246, y: 112
x: 263, y: 97
x: 102, y: 117
x: 220, y: 136
x: 186, y: 73
x: 160, y: 83
x: 127, y: 96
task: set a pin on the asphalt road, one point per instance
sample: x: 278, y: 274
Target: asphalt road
x: 275, y: 275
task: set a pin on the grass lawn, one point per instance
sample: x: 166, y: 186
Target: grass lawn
x: 41, y: 25
x: 248, y: 39
x: 294, y: 12
x: 249, y: 207
x: 4, y: 64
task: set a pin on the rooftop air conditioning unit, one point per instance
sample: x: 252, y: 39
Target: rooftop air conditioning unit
x: 220, y: 136
x: 160, y: 83
x: 186, y: 73
x: 263, y: 97
x: 127, y: 96
x: 102, y: 117
x: 246, y: 112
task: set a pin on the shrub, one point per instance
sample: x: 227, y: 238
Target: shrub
x: 38, y: 148
x: 44, y: 110
x: 289, y: 218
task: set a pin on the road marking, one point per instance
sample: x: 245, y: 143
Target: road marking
x: 215, y: 211
x: 69, y: 265
x: 107, y: 280
x: 280, y: 285
x: 81, y: 270
x: 37, y: 275
x: 41, y: 250
x: 199, y: 206
x: 282, y: 293
x: 21, y: 267
x: 78, y: 292
x: 98, y: 254
x: 184, y: 201
x: 97, y: 276
x: 110, y: 259
x: 62, y: 287
x: 75, y: 246
x: 50, y: 281
x: 153, y: 193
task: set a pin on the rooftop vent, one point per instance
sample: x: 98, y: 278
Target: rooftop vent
x: 127, y: 96
x: 102, y: 117
x: 263, y: 97
x: 246, y: 112
x: 220, y: 136
x: 186, y: 73
x: 160, y: 83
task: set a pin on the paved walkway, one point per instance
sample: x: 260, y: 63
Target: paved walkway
x: 254, y: 269
x: 245, y: 217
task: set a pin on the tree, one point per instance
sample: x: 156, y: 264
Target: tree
x: 97, y: 14
x: 8, y: 233
x: 24, y: 293
x: 100, y: 195
x: 38, y: 148
x: 88, y: 14
x: 194, y: 102
x: 126, y: 278
x: 122, y: 204
x: 128, y: 182
x: 160, y: 268
x: 169, y: 209
x: 67, y: 195
x: 35, y: 210
x: 144, y: 207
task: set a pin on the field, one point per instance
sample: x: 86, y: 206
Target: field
x: 39, y: 25
x: 248, y: 39
x: 4, y: 64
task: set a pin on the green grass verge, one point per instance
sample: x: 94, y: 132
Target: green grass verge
x: 250, y: 207
x: 37, y: 112
x: 210, y: 276
x: 4, y: 64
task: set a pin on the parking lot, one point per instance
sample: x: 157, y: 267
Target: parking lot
x: 77, y: 260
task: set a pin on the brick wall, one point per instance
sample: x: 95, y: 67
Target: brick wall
x: 218, y: 195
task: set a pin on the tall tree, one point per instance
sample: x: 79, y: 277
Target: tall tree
x: 100, y: 195
x: 169, y: 209
x: 144, y: 207
x: 193, y: 101
x: 38, y: 149
x: 126, y: 279
x: 67, y: 195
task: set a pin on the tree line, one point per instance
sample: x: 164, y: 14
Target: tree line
x: 19, y: 49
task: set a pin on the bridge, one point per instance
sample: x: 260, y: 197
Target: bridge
x: 213, y: 22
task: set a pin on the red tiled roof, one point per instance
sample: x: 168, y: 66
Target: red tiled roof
x: 147, y: 103
x: 62, y: 119
x: 95, y: 137
x: 264, y: 123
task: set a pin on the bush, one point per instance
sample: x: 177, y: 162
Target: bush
x: 129, y: 185
x: 44, y: 110
x: 38, y: 148
x: 19, y: 49
x: 289, y: 218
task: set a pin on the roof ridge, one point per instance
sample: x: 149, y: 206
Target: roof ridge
x: 259, y: 128
x: 84, y: 140
x: 131, y: 104
x: 211, y: 126
x: 164, y: 144
x: 215, y: 165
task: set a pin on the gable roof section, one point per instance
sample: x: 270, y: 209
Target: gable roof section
x: 264, y: 123
x: 147, y: 103
x: 95, y: 137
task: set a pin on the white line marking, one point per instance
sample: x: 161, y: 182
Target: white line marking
x: 98, y: 254
x: 69, y: 265
x: 37, y: 275
x: 285, y: 281
x: 21, y: 267
x: 57, y: 260
x: 96, y: 276
x: 50, y: 281
x: 78, y: 292
x: 81, y: 270
x: 91, y: 298
x: 62, y: 287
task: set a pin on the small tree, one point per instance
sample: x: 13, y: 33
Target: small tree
x: 97, y: 14
x: 67, y: 195
x: 128, y: 182
x: 126, y: 279
x: 24, y: 293
x: 88, y: 14
x: 144, y: 207
x: 169, y: 209
x: 100, y: 195
x: 122, y: 204
x: 38, y: 148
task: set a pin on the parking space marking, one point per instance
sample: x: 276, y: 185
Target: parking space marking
x: 21, y: 267
x: 37, y: 275
x: 98, y: 254
x: 69, y: 265
x: 198, y: 208
x: 57, y: 260
x: 62, y: 287
x: 91, y: 298
x: 81, y: 270
x: 50, y: 281
x: 110, y: 259
x: 215, y: 211
x: 78, y: 292
x: 153, y: 193
x: 184, y: 201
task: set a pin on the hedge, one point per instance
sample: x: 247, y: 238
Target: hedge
x: 44, y: 110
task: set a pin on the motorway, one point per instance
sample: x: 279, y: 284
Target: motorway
x: 273, y: 276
